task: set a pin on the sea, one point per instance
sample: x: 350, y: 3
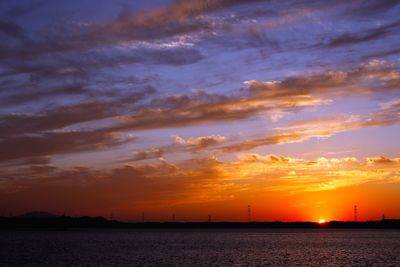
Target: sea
x: 201, y: 247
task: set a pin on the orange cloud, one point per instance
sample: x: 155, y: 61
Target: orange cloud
x: 382, y: 160
x: 208, y: 182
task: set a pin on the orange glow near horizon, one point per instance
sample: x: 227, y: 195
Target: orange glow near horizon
x: 233, y: 186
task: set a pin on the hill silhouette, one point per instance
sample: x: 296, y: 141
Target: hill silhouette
x: 38, y: 215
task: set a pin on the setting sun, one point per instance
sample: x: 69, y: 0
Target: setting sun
x: 321, y: 221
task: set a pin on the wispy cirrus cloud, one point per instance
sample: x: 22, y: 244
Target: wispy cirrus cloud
x: 299, y: 131
x: 363, y: 79
x: 387, y: 115
x: 180, y: 17
x: 292, y: 94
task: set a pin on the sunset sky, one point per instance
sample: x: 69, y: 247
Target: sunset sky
x: 200, y: 107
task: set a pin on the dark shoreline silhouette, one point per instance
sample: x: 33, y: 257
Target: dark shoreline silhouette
x: 49, y: 221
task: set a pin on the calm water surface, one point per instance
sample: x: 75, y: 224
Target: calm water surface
x: 311, y: 247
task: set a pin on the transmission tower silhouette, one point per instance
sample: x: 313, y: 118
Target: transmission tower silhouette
x: 355, y: 213
x: 248, y: 213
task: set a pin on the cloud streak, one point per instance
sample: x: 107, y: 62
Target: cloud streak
x: 131, y: 187
x: 51, y: 143
x: 368, y: 36
x: 387, y: 115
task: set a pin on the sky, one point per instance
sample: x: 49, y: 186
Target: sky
x: 196, y: 108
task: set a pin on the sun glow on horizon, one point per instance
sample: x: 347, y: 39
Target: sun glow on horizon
x: 322, y: 221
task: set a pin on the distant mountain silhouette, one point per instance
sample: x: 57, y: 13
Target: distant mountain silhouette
x: 37, y: 215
